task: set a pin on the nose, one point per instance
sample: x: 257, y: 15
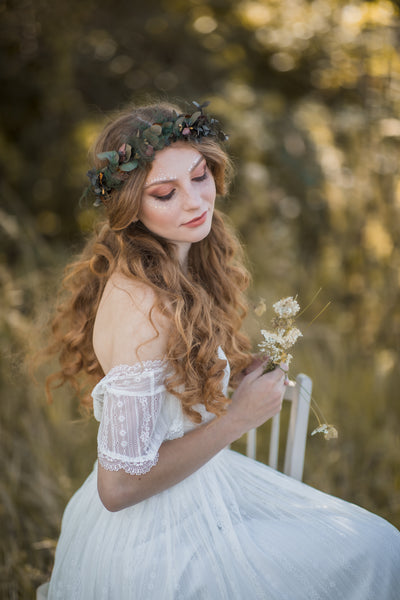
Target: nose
x: 192, y: 198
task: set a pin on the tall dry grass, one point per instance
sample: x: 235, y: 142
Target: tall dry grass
x: 45, y: 451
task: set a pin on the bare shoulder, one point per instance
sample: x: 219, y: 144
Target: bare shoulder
x: 128, y: 328
x: 127, y: 293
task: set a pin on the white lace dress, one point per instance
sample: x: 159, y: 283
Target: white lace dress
x: 233, y: 530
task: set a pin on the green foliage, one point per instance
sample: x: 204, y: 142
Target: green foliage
x: 310, y: 95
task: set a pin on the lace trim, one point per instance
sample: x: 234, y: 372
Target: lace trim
x: 145, y: 366
x: 137, y: 373
x: 110, y: 464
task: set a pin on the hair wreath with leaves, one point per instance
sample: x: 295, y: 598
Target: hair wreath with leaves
x: 140, y: 149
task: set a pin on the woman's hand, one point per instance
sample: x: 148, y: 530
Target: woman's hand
x: 258, y: 397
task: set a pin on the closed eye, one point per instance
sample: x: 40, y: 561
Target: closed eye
x: 201, y: 178
x: 171, y: 193
x: 167, y: 196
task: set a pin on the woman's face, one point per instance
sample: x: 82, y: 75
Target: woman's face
x: 178, y: 197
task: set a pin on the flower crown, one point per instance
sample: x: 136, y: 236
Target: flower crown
x: 140, y: 149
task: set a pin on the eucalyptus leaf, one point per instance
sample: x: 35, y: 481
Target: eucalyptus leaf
x: 151, y: 138
x: 156, y: 129
x: 194, y: 117
x: 111, y: 155
x: 178, y: 124
x: 129, y: 166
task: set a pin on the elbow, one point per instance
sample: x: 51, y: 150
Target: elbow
x: 110, y: 503
x: 113, y: 492
x: 110, y: 499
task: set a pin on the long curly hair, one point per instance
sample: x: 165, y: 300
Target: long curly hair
x: 205, y: 306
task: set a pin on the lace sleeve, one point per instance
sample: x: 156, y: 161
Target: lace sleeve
x: 132, y: 426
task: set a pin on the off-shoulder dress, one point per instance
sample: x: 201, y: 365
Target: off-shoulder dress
x: 233, y: 530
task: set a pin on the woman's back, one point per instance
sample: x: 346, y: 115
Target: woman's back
x: 123, y: 332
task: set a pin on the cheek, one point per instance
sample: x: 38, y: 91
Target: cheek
x: 156, y: 213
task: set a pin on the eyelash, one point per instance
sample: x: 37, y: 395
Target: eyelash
x: 202, y: 177
x: 169, y: 196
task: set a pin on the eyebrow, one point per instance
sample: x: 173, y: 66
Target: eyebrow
x: 159, y: 181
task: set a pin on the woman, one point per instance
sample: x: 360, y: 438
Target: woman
x: 153, y: 317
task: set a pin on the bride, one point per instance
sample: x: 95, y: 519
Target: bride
x: 152, y: 319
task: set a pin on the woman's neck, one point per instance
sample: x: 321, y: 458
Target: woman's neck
x: 182, y: 250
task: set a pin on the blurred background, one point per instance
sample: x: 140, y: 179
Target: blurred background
x: 310, y: 94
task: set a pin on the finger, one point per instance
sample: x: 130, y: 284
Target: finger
x: 279, y: 374
x: 260, y: 371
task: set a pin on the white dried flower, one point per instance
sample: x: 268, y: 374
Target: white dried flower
x: 270, y: 337
x: 329, y: 431
x: 283, y: 335
x: 286, y: 308
x: 288, y: 340
x: 283, y: 339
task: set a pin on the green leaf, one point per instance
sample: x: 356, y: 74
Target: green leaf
x: 194, y: 117
x: 178, y: 123
x: 151, y: 137
x: 156, y: 129
x: 129, y: 166
x: 112, y: 156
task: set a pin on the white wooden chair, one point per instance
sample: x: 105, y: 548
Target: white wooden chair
x: 300, y: 397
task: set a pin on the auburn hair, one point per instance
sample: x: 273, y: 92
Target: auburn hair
x: 205, y: 306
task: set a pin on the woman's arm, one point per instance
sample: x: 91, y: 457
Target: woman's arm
x: 122, y: 324
x: 257, y: 399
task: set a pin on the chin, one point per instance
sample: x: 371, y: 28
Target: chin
x: 199, y: 235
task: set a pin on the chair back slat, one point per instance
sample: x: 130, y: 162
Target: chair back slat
x: 297, y: 432
x: 251, y: 443
x: 274, y: 442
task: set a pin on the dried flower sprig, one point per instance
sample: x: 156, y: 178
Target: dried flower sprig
x: 283, y: 336
x: 330, y: 432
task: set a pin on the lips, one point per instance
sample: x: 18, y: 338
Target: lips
x: 197, y: 220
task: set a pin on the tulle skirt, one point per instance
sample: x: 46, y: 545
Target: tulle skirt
x: 233, y: 530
